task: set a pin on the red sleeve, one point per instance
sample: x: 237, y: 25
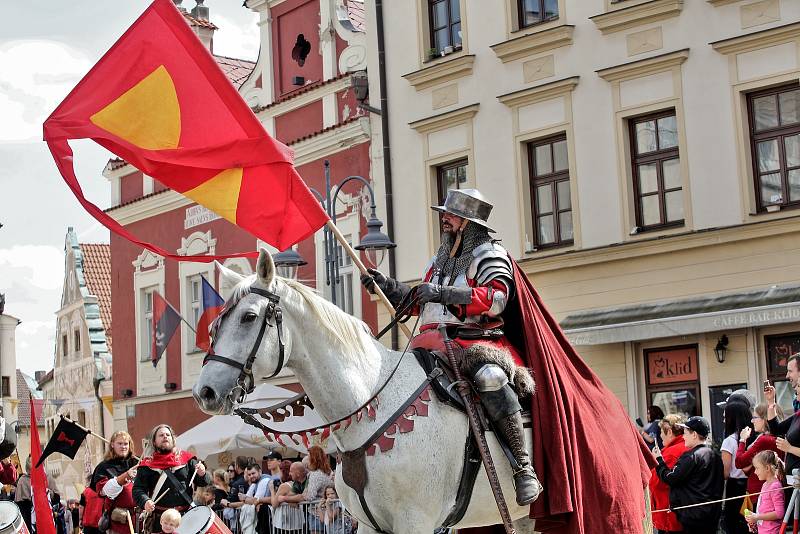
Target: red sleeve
x: 124, y: 499
x: 482, y: 298
x: 744, y: 458
x: 8, y: 473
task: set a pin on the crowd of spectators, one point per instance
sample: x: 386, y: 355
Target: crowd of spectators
x: 743, y: 487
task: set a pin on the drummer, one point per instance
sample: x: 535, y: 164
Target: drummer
x: 166, y: 474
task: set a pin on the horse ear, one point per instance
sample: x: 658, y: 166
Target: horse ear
x: 265, y: 268
x: 230, y: 277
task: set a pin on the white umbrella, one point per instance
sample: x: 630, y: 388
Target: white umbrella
x: 230, y: 434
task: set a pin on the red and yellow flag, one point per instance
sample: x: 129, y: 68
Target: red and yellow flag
x: 158, y: 100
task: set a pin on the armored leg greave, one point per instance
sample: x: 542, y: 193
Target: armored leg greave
x: 502, y: 407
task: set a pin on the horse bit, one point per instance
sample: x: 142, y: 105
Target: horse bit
x: 246, y: 384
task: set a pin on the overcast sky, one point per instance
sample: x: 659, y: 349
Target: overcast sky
x: 46, y: 47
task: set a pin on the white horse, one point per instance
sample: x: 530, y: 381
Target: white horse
x: 412, y: 487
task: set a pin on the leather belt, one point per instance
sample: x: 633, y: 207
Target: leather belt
x: 460, y: 332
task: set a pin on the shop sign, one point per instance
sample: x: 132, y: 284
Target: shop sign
x: 197, y: 215
x: 673, y: 365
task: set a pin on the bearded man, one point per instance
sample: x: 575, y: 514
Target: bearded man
x: 164, y: 474
x: 466, y: 287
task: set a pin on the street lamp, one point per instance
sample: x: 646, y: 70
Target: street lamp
x: 287, y: 262
x: 374, y: 244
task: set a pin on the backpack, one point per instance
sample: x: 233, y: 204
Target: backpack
x: 93, y: 510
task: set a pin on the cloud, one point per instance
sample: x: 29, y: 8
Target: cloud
x: 35, y: 75
x: 237, y: 40
x: 35, y: 345
x: 38, y: 265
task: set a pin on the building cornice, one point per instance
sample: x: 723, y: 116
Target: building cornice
x: 443, y: 71
x: 722, y: 2
x: 290, y: 103
x: 539, y: 93
x: 662, y: 245
x: 756, y: 40
x: 534, y: 43
x: 123, y: 170
x: 630, y: 17
x: 332, y: 141
x: 145, y: 208
x: 445, y: 120
x: 644, y: 67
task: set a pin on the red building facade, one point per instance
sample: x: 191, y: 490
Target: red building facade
x: 301, y: 88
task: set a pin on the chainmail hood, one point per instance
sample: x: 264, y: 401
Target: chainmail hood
x: 472, y: 237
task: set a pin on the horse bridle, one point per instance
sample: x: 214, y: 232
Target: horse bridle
x: 246, y: 383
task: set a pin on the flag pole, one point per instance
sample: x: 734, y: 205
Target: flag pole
x: 90, y: 433
x: 361, y: 267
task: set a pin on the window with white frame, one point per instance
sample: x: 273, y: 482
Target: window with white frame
x: 344, y: 285
x: 194, y: 291
x: 147, y: 323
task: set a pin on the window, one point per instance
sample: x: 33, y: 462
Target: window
x: 778, y: 350
x: 445, y: 22
x: 147, y: 323
x: 450, y: 176
x: 775, y: 144
x: 551, y: 204
x: 195, y: 292
x: 672, y: 379
x: 77, y: 340
x: 344, y: 287
x: 6, y: 386
x: 657, y: 180
x: 82, y: 418
x: 536, y: 11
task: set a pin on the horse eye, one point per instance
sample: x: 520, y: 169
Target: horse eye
x: 249, y: 317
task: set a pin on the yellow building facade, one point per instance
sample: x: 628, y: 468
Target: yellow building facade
x: 643, y: 157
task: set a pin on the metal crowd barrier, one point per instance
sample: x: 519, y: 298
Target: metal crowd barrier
x: 316, y: 517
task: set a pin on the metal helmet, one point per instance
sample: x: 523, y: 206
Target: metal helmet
x: 468, y: 204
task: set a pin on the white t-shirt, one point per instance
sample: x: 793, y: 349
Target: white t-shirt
x: 731, y: 445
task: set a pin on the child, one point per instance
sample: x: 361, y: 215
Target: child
x: 170, y: 521
x: 770, y: 507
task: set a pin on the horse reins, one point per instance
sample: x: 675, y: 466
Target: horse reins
x: 246, y: 383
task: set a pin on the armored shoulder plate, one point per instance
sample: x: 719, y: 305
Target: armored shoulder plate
x: 491, y: 263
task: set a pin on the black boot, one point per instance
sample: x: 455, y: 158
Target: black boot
x: 526, y: 484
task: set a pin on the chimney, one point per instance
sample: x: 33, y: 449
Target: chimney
x: 38, y: 375
x: 198, y: 20
x: 200, y: 11
x: 179, y: 6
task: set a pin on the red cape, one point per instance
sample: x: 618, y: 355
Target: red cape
x: 166, y: 461
x: 592, y: 462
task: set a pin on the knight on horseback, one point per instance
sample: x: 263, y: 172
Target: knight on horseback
x: 467, y: 286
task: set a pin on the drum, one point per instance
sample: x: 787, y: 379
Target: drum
x: 11, y: 519
x: 200, y: 520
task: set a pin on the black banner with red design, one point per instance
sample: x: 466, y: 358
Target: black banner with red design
x: 66, y: 439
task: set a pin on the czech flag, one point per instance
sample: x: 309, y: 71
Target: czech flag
x: 166, y: 321
x: 212, y: 307
x: 158, y: 100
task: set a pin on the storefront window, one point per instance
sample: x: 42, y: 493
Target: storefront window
x: 672, y: 379
x: 778, y: 350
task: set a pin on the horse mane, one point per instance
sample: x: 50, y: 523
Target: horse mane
x: 350, y: 333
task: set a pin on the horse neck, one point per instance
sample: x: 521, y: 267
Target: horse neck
x: 337, y: 382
